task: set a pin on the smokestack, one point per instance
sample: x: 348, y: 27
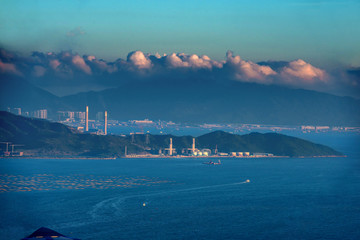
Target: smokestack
x: 105, y: 130
x: 87, y: 119
x: 193, y: 146
x: 170, y: 149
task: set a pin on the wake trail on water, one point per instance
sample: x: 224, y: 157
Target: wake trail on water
x: 112, y: 206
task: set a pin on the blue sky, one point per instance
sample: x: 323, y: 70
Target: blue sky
x: 325, y: 33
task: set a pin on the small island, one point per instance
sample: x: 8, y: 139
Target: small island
x: 41, y: 138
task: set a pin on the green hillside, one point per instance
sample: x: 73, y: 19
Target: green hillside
x: 44, y: 138
x: 41, y: 137
x: 277, y: 144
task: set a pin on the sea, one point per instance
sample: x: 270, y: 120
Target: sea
x: 182, y: 198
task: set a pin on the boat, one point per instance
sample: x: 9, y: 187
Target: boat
x: 212, y: 163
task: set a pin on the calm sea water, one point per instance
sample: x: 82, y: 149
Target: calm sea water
x: 307, y: 198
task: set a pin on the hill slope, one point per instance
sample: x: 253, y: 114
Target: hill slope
x: 41, y: 137
x: 277, y: 144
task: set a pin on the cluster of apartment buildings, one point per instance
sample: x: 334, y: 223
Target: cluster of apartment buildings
x: 78, y: 118
x: 41, y: 113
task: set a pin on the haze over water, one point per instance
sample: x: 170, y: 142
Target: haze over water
x: 307, y: 198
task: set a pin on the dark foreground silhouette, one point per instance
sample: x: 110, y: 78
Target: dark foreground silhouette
x: 47, y: 234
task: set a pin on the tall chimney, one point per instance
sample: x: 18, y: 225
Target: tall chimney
x: 87, y: 119
x: 105, y: 130
x: 170, y: 149
x: 193, y: 146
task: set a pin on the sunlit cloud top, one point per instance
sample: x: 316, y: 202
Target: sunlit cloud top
x: 67, y: 69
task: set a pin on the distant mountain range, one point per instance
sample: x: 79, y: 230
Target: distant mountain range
x: 44, y: 138
x: 16, y: 92
x: 195, y: 102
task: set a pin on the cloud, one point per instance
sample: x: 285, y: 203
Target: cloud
x: 91, y: 58
x: 139, y: 60
x: 302, y: 70
x: 75, y: 32
x: 39, y: 71
x: 6, y: 56
x: 9, y: 68
x: 182, y: 60
x: 247, y: 70
x: 175, y: 61
x: 354, y: 74
x: 70, y: 69
x: 80, y: 63
x: 54, y: 64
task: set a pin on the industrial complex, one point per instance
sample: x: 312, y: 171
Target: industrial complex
x: 171, y: 151
x: 134, y: 130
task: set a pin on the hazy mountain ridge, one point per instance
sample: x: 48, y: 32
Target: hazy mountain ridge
x: 195, y: 102
x: 222, y: 103
x: 17, y: 92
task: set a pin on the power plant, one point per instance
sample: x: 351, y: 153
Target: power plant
x: 98, y: 128
x: 95, y: 130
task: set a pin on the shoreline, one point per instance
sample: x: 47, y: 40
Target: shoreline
x: 164, y: 157
x: 242, y: 157
x: 55, y: 157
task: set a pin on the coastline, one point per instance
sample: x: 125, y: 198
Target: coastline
x: 58, y: 157
x: 164, y: 157
x: 242, y: 157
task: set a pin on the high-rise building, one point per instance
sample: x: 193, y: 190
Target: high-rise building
x: 80, y: 115
x: 42, y: 113
x: 71, y: 115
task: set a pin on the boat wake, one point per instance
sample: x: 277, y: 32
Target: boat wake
x: 112, y: 208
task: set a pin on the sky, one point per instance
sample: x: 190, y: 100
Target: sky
x: 324, y: 34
